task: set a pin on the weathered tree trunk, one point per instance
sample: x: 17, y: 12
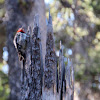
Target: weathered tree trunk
x: 40, y: 83
x: 50, y: 64
x: 32, y: 82
x: 57, y: 85
x: 36, y: 83
x: 69, y: 80
x: 20, y: 13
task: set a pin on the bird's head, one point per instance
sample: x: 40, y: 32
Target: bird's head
x: 21, y: 30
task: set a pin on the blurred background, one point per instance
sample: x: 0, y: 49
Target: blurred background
x: 75, y: 22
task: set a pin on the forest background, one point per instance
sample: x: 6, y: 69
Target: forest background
x: 75, y: 22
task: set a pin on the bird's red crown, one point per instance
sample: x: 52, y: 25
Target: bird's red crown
x: 21, y: 30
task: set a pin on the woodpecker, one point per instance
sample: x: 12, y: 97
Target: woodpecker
x: 20, y: 42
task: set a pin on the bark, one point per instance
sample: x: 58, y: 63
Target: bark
x: 33, y: 68
x: 62, y: 82
x: 21, y: 13
x: 50, y: 68
x: 69, y: 80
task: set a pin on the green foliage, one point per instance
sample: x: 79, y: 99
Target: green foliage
x: 2, y: 1
x: 4, y: 86
x: 96, y: 6
x: 2, y: 9
x: 2, y: 12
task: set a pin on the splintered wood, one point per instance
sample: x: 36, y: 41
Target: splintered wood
x: 54, y: 81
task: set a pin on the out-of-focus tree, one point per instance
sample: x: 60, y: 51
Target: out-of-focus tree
x: 20, y: 13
